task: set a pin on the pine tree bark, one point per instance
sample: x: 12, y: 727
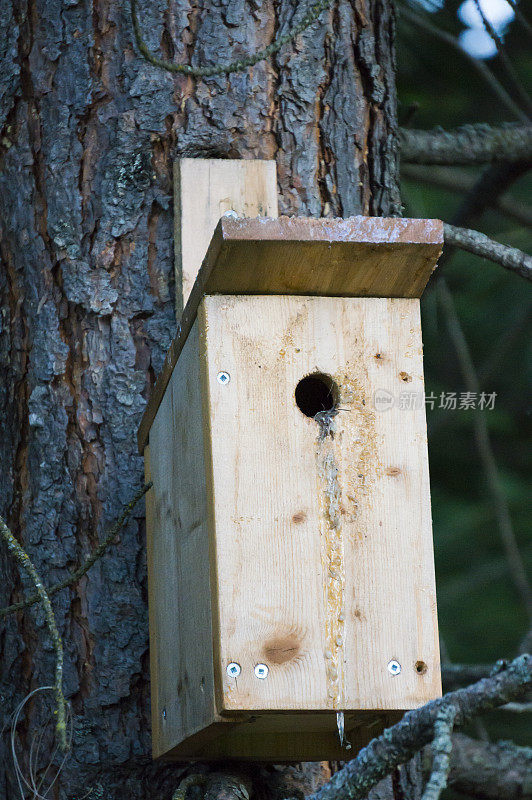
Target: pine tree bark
x: 89, y: 132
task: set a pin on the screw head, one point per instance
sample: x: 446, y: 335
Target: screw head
x: 261, y: 671
x: 233, y: 669
x: 394, y: 667
x: 223, y: 378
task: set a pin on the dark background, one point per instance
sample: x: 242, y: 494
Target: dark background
x: 480, y: 614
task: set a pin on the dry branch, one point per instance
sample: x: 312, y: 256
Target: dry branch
x: 441, y: 752
x: 481, y: 245
x: 26, y: 564
x: 399, y: 743
x: 469, y: 144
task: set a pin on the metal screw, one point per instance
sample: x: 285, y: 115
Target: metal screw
x: 394, y: 667
x: 233, y: 669
x: 164, y: 713
x: 223, y: 378
x: 261, y: 671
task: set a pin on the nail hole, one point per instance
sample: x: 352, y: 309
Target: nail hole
x: 315, y: 393
x: 420, y: 667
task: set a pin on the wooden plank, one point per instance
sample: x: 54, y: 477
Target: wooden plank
x: 204, y: 190
x: 153, y: 617
x: 355, y: 257
x: 360, y: 256
x: 323, y: 546
x: 181, y: 650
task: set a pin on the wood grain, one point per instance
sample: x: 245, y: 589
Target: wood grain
x: 204, y: 190
x: 360, y: 256
x: 181, y: 650
x: 322, y: 546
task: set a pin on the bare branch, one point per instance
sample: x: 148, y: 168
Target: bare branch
x: 490, y: 771
x: 399, y: 743
x: 457, y: 180
x: 469, y: 144
x: 518, y: 708
x: 481, y: 245
x: 482, y: 68
x: 23, y: 560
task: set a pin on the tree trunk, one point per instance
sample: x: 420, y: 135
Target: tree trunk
x: 89, y: 132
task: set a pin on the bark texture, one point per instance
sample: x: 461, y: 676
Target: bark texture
x: 88, y: 135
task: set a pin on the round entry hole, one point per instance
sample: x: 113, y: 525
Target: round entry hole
x: 315, y: 393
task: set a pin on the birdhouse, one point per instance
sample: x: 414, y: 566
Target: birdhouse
x: 290, y: 562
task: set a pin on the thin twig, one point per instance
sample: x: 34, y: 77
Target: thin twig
x: 441, y: 750
x: 25, y: 563
x: 506, y: 531
x: 511, y: 75
x: 94, y: 556
x: 240, y: 64
x: 481, y: 245
x: 479, y: 65
x: 457, y: 180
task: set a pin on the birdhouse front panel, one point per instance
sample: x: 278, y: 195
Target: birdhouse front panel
x: 324, y: 591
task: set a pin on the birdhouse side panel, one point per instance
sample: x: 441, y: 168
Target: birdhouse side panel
x: 179, y: 561
x: 324, y: 590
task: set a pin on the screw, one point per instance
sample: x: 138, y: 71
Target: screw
x: 164, y: 713
x: 233, y: 669
x: 223, y: 378
x: 394, y: 667
x: 261, y: 671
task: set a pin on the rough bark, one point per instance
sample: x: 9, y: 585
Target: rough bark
x: 88, y: 135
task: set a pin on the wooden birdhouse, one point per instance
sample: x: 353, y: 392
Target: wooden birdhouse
x: 291, y: 578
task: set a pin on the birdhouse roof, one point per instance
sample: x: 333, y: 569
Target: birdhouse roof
x: 354, y: 257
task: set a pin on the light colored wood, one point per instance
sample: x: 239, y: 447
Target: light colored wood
x: 204, y: 190
x: 153, y: 584
x: 360, y: 256
x: 322, y: 547
x: 181, y: 650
